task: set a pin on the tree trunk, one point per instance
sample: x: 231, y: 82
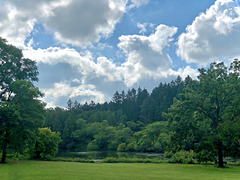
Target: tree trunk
x: 37, y: 153
x: 4, y: 153
x: 4, y: 147
x: 220, y: 155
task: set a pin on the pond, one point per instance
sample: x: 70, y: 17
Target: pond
x: 99, y: 155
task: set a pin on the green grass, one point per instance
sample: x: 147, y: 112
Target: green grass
x: 34, y: 170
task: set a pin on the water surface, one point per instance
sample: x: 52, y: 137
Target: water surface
x: 99, y: 155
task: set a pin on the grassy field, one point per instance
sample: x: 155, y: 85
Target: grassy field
x: 69, y: 171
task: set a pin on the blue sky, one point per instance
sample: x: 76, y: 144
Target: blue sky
x: 88, y: 50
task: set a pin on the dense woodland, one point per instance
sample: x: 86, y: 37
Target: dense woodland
x: 131, y: 121
x: 195, y: 117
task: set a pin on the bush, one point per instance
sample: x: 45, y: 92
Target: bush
x: 168, y: 154
x: 185, y: 157
x: 238, y: 163
x: 17, y: 156
x: 205, y: 156
x: 45, y: 145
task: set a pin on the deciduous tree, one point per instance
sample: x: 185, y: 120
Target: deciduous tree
x: 45, y: 144
x: 21, y: 113
x: 204, y: 116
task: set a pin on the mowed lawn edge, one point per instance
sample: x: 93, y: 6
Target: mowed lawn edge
x: 72, y: 170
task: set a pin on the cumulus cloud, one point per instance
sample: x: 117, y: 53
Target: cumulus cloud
x: 183, y: 73
x: 82, y: 22
x: 72, y: 21
x: 212, y: 35
x: 66, y: 73
x: 17, y: 18
x: 61, y: 92
x: 147, y: 53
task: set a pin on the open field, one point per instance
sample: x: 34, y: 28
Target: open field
x: 69, y: 170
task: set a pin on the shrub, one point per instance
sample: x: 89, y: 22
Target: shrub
x: 45, y: 145
x: 168, y: 154
x: 17, y: 156
x: 185, y: 157
x: 205, y: 156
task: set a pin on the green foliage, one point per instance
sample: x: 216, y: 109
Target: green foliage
x: 185, y: 157
x: 168, y: 154
x: 205, y: 156
x: 20, y: 117
x: 14, y: 66
x: 153, y: 138
x: 21, y: 113
x: 45, y: 145
x: 205, y: 117
x: 122, y: 147
x: 105, y: 126
x: 17, y: 156
x: 103, y: 140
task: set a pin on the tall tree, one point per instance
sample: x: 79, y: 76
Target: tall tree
x: 205, y: 114
x: 21, y: 113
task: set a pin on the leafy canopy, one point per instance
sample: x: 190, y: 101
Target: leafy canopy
x: 21, y: 113
x: 204, y: 116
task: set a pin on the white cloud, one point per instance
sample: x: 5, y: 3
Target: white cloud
x: 73, y: 22
x: 66, y: 73
x: 183, y: 73
x: 144, y: 27
x: 138, y: 3
x: 146, y: 55
x: 15, y: 27
x: 212, y: 35
x: 64, y: 91
x: 83, y: 22
x: 17, y: 18
x: 109, y: 69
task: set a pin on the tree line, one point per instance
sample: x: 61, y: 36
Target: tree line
x: 131, y: 121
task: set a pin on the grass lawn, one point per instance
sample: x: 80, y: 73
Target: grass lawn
x: 69, y: 171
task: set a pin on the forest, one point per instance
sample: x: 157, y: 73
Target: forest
x: 131, y: 121
x: 190, y: 116
x: 200, y: 116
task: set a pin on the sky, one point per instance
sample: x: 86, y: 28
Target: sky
x: 89, y: 49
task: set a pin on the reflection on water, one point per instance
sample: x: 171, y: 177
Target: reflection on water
x: 98, y: 155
